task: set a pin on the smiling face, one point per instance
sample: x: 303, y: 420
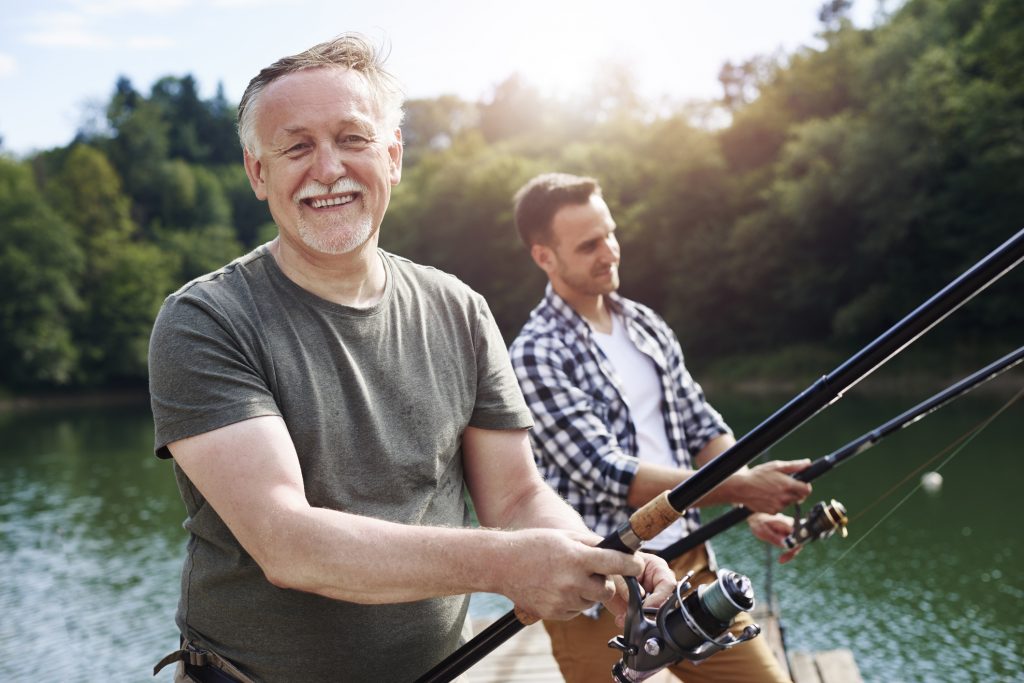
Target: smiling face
x: 323, y: 162
x: 582, y: 259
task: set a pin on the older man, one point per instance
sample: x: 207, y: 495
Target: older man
x: 325, y: 403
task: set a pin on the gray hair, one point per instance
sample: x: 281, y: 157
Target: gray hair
x: 350, y: 51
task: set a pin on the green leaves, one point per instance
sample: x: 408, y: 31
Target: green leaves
x: 40, y: 264
x: 836, y: 189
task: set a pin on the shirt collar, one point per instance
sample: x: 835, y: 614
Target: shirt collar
x: 568, y: 316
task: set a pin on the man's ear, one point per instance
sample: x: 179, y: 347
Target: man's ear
x: 254, y: 170
x: 395, y: 150
x: 543, y: 256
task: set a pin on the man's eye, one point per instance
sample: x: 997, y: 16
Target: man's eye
x: 355, y: 140
x: 297, y: 149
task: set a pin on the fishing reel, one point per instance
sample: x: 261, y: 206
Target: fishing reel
x: 692, y: 625
x: 821, y: 522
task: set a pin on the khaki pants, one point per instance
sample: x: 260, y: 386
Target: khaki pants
x: 580, y: 645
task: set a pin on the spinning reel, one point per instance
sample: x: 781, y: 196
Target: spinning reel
x: 689, y: 625
x: 821, y: 522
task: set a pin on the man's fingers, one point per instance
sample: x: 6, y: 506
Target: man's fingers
x: 618, y: 602
x: 661, y: 593
x: 612, y: 562
x: 602, y: 590
x: 787, y: 556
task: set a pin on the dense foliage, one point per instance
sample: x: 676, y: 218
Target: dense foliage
x: 852, y: 181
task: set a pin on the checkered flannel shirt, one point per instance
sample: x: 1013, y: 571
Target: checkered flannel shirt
x: 583, y: 438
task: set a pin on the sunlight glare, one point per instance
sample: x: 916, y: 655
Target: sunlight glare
x: 563, y: 51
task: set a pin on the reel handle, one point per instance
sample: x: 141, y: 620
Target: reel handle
x: 823, y: 520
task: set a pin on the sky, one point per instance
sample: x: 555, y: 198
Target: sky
x: 60, y: 59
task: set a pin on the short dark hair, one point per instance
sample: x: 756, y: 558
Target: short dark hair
x: 537, y: 202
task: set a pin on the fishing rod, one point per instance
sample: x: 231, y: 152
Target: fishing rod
x: 658, y: 514
x: 853, y: 448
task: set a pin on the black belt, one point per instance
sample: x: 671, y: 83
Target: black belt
x: 208, y: 674
x: 202, y: 665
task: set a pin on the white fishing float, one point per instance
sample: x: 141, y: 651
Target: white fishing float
x: 931, y: 482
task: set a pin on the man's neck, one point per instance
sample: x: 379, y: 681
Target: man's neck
x: 356, y: 279
x: 592, y: 307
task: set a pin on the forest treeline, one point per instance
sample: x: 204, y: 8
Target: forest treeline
x: 826, y: 194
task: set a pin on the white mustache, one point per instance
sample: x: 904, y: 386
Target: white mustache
x: 317, y: 189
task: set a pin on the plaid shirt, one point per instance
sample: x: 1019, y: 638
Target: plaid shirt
x: 583, y: 438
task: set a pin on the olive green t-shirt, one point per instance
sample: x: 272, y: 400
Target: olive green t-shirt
x: 376, y: 401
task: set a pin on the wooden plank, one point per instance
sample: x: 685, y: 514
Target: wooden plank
x: 526, y: 658
x: 837, y: 666
x: 803, y: 669
x: 522, y: 658
x: 828, y: 666
x: 771, y: 631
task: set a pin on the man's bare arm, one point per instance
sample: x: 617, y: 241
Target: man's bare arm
x: 249, y: 472
x: 765, y: 488
x: 508, y: 491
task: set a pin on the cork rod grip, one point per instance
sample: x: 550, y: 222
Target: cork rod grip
x: 653, y: 518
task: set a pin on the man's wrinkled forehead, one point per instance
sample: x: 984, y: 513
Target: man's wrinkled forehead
x: 294, y: 101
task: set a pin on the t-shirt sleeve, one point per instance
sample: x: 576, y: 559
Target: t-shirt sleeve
x: 499, y: 401
x: 203, y: 374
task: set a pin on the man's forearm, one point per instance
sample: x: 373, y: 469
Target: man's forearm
x: 366, y: 560
x: 543, y: 508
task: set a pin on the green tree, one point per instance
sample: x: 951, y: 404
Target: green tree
x: 198, y: 250
x: 453, y: 211
x: 433, y: 124
x: 192, y: 195
x: 123, y: 281
x: 40, y: 263
x: 138, y: 148
x: 873, y: 171
x: 248, y: 214
x: 514, y: 110
x: 199, y: 131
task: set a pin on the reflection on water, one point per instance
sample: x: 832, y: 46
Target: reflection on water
x: 91, y: 545
x: 930, y: 590
x: 90, y: 541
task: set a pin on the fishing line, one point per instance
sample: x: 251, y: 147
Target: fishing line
x: 958, y: 445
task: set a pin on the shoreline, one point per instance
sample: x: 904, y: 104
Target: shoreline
x: 74, y: 399
x: 1004, y: 385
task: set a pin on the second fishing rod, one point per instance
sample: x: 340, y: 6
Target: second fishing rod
x: 862, y: 443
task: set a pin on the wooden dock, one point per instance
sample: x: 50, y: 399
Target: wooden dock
x: 526, y: 658
x: 829, y: 666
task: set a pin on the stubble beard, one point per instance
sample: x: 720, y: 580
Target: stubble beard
x: 336, y: 239
x: 608, y: 287
x: 590, y: 285
x: 337, y: 236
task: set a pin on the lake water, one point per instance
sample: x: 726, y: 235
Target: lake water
x: 91, y: 544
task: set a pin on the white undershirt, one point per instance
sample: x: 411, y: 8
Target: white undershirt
x: 641, y: 383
